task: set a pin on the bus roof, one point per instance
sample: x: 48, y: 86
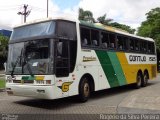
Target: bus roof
x: 45, y: 20
x: 93, y: 25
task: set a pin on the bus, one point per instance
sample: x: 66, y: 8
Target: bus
x: 59, y: 57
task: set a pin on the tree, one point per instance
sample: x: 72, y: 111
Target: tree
x: 3, y: 49
x: 151, y: 27
x: 103, y: 20
x: 86, y: 15
x: 123, y: 27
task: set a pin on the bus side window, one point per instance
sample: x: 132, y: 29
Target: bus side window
x: 144, y: 46
x: 95, y: 37
x: 151, y: 47
x: 85, y: 36
x: 105, y: 40
x: 125, y: 39
x: 131, y: 44
x: 112, y: 39
x: 137, y: 45
x: 120, y: 42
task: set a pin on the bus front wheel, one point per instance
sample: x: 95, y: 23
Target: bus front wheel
x: 84, y: 90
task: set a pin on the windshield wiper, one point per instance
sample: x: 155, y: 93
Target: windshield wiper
x: 17, y: 60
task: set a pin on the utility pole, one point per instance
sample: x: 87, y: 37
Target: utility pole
x: 47, y: 8
x: 25, y: 13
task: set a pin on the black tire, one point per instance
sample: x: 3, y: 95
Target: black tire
x: 139, y: 80
x: 145, y: 79
x: 84, y: 90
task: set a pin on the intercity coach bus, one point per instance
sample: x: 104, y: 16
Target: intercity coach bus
x: 57, y: 58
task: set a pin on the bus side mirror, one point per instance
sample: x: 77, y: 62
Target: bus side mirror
x: 5, y: 65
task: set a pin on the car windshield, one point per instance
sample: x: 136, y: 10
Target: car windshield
x: 30, y: 57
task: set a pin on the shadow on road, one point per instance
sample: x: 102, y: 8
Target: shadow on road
x: 70, y: 101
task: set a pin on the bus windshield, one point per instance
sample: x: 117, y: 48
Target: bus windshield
x: 31, y: 57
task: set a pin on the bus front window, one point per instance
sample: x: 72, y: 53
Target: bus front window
x: 34, y: 58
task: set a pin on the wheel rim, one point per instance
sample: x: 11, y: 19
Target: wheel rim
x: 86, y: 89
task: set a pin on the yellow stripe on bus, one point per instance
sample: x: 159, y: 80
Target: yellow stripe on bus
x: 130, y: 70
x: 39, y: 77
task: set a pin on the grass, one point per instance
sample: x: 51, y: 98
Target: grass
x: 2, y: 83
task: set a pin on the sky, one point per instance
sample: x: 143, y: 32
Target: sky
x: 129, y: 12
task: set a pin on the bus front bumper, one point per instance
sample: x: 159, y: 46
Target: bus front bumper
x: 41, y: 92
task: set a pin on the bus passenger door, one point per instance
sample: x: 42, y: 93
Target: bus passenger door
x: 62, y: 65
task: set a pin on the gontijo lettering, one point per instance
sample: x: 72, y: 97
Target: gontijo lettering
x: 134, y: 58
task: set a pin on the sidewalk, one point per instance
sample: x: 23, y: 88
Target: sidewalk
x: 144, y: 101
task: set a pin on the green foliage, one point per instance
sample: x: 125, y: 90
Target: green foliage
x: 123, y: 27
x: 2, y: 83
x: 86, y: 15
x: 103, y: 20
x: 151, y: 27
x: 3, y: 45
x: 3, y: 50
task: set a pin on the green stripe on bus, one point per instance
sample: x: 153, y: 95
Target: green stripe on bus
x: 28, y: 78
x: 117, y: 68
x: 107, y: 68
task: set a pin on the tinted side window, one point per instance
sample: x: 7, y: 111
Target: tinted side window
x: 137, y: 45
x: 67, y: 29
x: 122, y: 42
x: 95, y: 37
x: 105, y: 40
x: 143, y: 46
x: 85, y: 36
x: 112, y: 41
x: 151, y: 48
x: 131, y: 44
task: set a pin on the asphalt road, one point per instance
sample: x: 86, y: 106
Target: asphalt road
x: 124, y: 99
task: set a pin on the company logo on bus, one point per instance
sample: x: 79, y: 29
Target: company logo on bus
x: 137, y: 58
x: 65, y: 86
x: 87, y: 59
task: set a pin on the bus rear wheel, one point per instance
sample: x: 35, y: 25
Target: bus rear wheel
x: 139, y: 80
x: 84, y: 90
x: 145, y: 79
